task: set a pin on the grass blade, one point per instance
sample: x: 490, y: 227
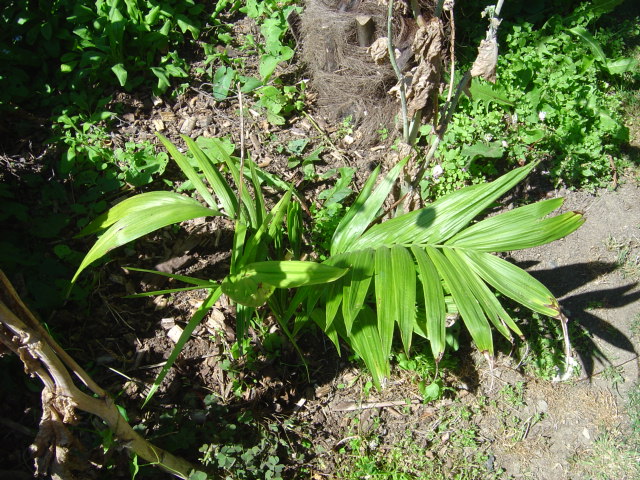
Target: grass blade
x: 188, y: 170
x: 195, y: 320
x: 182, y: 278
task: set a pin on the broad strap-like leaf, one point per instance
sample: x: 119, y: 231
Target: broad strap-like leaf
x: 247, y: 201
x: 470, y: 310
x: 261, y: 211
x: 435, y: 321
x: 143, y: 217
x: 356, y: 285
x: 514, y: 282
x: 364, y: 210
x: 217, y: 182
x: 273, y: 220
x: 483, y: 295
x: 443, y: 218
x: 188, y: 170
x: 125, y: 207
x: 253, y: 284
x: 520, y: 228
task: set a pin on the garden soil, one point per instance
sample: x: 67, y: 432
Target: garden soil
x: 524, y: 427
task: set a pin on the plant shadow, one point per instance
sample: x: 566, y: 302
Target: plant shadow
x: 583, y: 305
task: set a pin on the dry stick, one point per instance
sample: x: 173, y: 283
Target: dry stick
x: 9, y: 295
x: 38, y: 353
x: 399, y: 75
x: 417, y: 13
x: 452, y: 27
x: 450, y: 108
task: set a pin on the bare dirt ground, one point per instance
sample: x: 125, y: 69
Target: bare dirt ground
x: 498, y: 422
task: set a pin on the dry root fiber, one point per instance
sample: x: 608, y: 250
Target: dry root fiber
x: 338, y: 38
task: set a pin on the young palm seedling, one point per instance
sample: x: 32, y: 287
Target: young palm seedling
x: 253, y: 276
x: 414, y: 270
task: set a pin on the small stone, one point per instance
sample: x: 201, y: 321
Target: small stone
x: 542, y: 406
x: 188, y: 125
x: 585, y: 434
x: 158, y: 124
x: 174, y: 333
x: 167, y: 323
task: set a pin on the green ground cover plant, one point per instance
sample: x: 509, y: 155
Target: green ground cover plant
x: 554, y: 100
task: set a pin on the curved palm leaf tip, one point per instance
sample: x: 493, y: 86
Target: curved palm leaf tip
x: 432, y: 258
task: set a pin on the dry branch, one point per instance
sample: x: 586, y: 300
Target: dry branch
x: 21, y: 333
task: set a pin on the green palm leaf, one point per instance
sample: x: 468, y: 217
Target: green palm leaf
x: 434, y: 244
x: 143, y: 214
x: 470, y: 309
x: 364, y: 210
x: 443, y: 218
x: 356, y: 286
x: 520, y: 228
x: 435, y: 308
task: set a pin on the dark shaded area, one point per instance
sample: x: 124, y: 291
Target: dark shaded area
x: 584, y: 324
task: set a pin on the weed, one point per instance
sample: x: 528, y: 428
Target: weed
x: 609, y: 457
x: 614, y: 374
x: 553, y: 101
x: 627, y: 256
x: 461, y: 453
x: 543, y: 348
x: 635, y: 326
x: 513, y: 395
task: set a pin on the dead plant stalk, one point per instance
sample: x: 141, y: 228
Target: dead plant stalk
x: 21, y: 333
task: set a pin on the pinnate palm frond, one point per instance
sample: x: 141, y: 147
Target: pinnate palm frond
x: 432, y: 257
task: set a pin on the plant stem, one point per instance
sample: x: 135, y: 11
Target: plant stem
x: 451, y: 105
x: 39, y: 353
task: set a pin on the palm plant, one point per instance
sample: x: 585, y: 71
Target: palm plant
x: 414, y: 272
x: 425, y: 266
